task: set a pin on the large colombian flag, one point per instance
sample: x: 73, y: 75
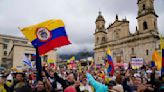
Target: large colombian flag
x: 47, y: 35
x: 110, y: 64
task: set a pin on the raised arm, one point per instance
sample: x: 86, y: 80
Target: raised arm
x: 60, y: 80
x: 92, y: 81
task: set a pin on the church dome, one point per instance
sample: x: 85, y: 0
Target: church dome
x: 100, y: 17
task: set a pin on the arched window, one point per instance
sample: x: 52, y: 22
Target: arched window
x: 145, y: 25
x: 144, y: 7
x: 147, y: 52
x: 103, y: 39
x: 5, y: 53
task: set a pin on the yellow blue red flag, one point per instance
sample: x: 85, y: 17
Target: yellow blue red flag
x: 47, y: 35
x: 110, y: 64
x: 71, y: 60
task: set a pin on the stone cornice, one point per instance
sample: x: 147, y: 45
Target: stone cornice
x: 147, y: 14
x: 13, y: 37
x: 99, y: 32
x: 127, y: 40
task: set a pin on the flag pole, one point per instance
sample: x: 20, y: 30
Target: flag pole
x: 38, y: 65
x: 162, y: 70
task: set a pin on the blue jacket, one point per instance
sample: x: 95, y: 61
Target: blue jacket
x: 99, y: 87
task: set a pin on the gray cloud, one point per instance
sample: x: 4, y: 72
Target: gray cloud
x: 79, y: 17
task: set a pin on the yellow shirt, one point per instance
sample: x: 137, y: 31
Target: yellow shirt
x: 2, y: 89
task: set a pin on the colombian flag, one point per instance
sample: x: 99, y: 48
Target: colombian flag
x: 110, y: 65
x: 46, y: 35
x: 71, y: 60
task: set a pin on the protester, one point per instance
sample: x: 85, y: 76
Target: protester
x: 68, y: 82
x: 19, y: 83
x: 99, y: 87
x: 3, y: 86
x: 91, y: 79
x: 85, y: 87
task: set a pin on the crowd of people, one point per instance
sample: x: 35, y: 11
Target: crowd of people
x: 90, y: 79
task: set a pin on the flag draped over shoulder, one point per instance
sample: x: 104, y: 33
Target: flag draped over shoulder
x: 109, y: 63
x: 47, y: 35
x: 157, y: 59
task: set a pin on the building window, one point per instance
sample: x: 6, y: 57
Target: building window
x: 103, y: 39
x: 144, y: 7
x: 145, y: 25
x: 147, y: 52
x: 133, y: 51
x: 4, y: 46
x: 5, y: 53
x: 27, y: 55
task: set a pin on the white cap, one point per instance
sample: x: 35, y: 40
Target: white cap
x: 10, y: 77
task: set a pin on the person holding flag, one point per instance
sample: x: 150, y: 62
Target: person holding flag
x: 71, y: 62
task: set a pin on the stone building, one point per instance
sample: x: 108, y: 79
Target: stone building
x: 13, y: 49
x: 123, y: 44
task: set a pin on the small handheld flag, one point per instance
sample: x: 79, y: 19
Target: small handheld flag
x: 27, y: 62
x: 47, y: 35
x: 71, y: 60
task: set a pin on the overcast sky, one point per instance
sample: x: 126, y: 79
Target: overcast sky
x: 79, y: 17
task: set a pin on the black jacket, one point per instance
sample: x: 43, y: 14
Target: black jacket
x: 64, y: 83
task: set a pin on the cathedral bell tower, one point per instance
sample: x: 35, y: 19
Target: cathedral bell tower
x: 100, y: 31
x: 147, y: 18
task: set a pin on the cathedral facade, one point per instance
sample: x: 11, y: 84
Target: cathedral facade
x: 123, y: 44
